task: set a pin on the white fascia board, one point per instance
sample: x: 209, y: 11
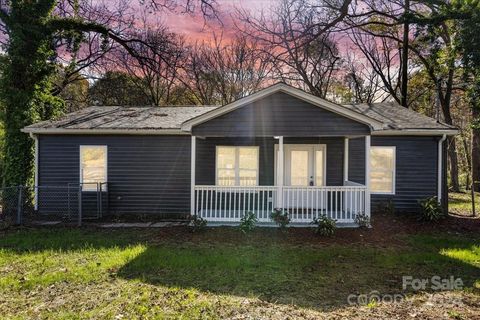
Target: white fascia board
x: 416, y: 132
x: 319, y: 102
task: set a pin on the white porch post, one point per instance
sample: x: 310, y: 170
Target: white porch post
x: 280, y: 173
x: 345, y: 159
x: 367, y: 175
x: 192, y: 176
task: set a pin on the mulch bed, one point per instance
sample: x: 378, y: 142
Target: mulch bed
x: 387, y: 231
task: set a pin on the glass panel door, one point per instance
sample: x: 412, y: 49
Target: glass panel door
x: 320, y: 166
x: 299, y: 168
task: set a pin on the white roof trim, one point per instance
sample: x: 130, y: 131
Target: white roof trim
x: 281, y: 87
x: 405, y: 132
x: 105, y: 131
x: 416, y: 132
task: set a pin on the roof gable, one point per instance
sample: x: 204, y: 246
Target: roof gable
x: 297, y: 93
x: 280, y: 114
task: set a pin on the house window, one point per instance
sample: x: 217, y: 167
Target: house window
x: 382, y: 170
x: 237, y: 166
x: 93, y: 167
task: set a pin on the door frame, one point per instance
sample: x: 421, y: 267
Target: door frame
x: 287, y: 147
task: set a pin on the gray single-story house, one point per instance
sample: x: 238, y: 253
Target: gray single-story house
x: 278, y: 148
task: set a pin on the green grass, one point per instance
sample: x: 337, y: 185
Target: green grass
x: 461, y: 203
x: 82, y: 274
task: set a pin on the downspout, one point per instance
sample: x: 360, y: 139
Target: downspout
x: 440, y: 168
x: 35, y: 187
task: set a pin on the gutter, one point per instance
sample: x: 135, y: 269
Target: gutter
x: 440, y: 168
x: 104, y: 131
x: 416, y: 132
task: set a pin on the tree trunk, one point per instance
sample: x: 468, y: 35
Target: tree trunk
x: 468, y: 161
x: 453, y: 161
x: 452, y: 146
x: 406, y: 33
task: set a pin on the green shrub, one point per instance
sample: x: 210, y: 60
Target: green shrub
x: 431, y: 210
x: 280, y: 217
x: 363, y: 220
x: 324, y: 225
x: 248, y: 222
x: 197, y: 223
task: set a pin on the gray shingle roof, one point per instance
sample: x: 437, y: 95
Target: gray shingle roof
x: 397, y: 117
x: 392, y: 115
x: 126, y: 118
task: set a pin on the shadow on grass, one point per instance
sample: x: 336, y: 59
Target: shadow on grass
x: 275, y: 271
x: 315, y: 278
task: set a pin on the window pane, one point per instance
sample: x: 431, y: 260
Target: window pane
x: 299, y: 168
x: 319, y: 168
x: 93, y: 166
x: 226, y: 177
x: 247, y: 177
x: 248, y: 158
x: 382, y: 167
x: 382, y: 158
x: 226, y: 157
x: 381, y: 182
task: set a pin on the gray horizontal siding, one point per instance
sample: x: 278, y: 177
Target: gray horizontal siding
x: 280, y: 115
x: 356, y: 160
x: 151, y: 174
x: 146, y: 174
x: 416, y: 169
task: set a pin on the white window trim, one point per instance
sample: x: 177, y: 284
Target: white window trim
x: 237, y: 166
x: 84, y: 187
x: 394, y: 170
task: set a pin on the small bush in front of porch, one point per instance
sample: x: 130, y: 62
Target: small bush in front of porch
x: 280, y: 217
x: 363, y: 220
x: 324, y: 226
x: 248, y: 222
x: 431, y: 210
x: 196, y: 223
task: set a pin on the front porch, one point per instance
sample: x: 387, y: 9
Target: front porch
x: 306, y: 176
x: 229, y: 204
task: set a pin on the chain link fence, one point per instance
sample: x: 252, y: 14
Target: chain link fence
x: 69, y: 204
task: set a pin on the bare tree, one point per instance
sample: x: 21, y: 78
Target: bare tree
x: 79, y: 55
x: 157, y: 73
x: 431, y: 46
x: 311, y: 66
x: 83, y: 55
x: 383, y: 55
x: 224, y: 72
x: 364, y: 83
x: 298, y: 37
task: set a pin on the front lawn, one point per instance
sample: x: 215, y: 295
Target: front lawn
x: 170, y: 273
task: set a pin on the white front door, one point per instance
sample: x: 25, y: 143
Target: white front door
x: 305, y: 165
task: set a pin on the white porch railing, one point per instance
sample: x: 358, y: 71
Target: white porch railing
x: 229, y: 204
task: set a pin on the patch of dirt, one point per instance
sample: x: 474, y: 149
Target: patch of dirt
x: 110, y: 303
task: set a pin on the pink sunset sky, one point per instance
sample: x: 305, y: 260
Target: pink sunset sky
x: 195, y: 27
